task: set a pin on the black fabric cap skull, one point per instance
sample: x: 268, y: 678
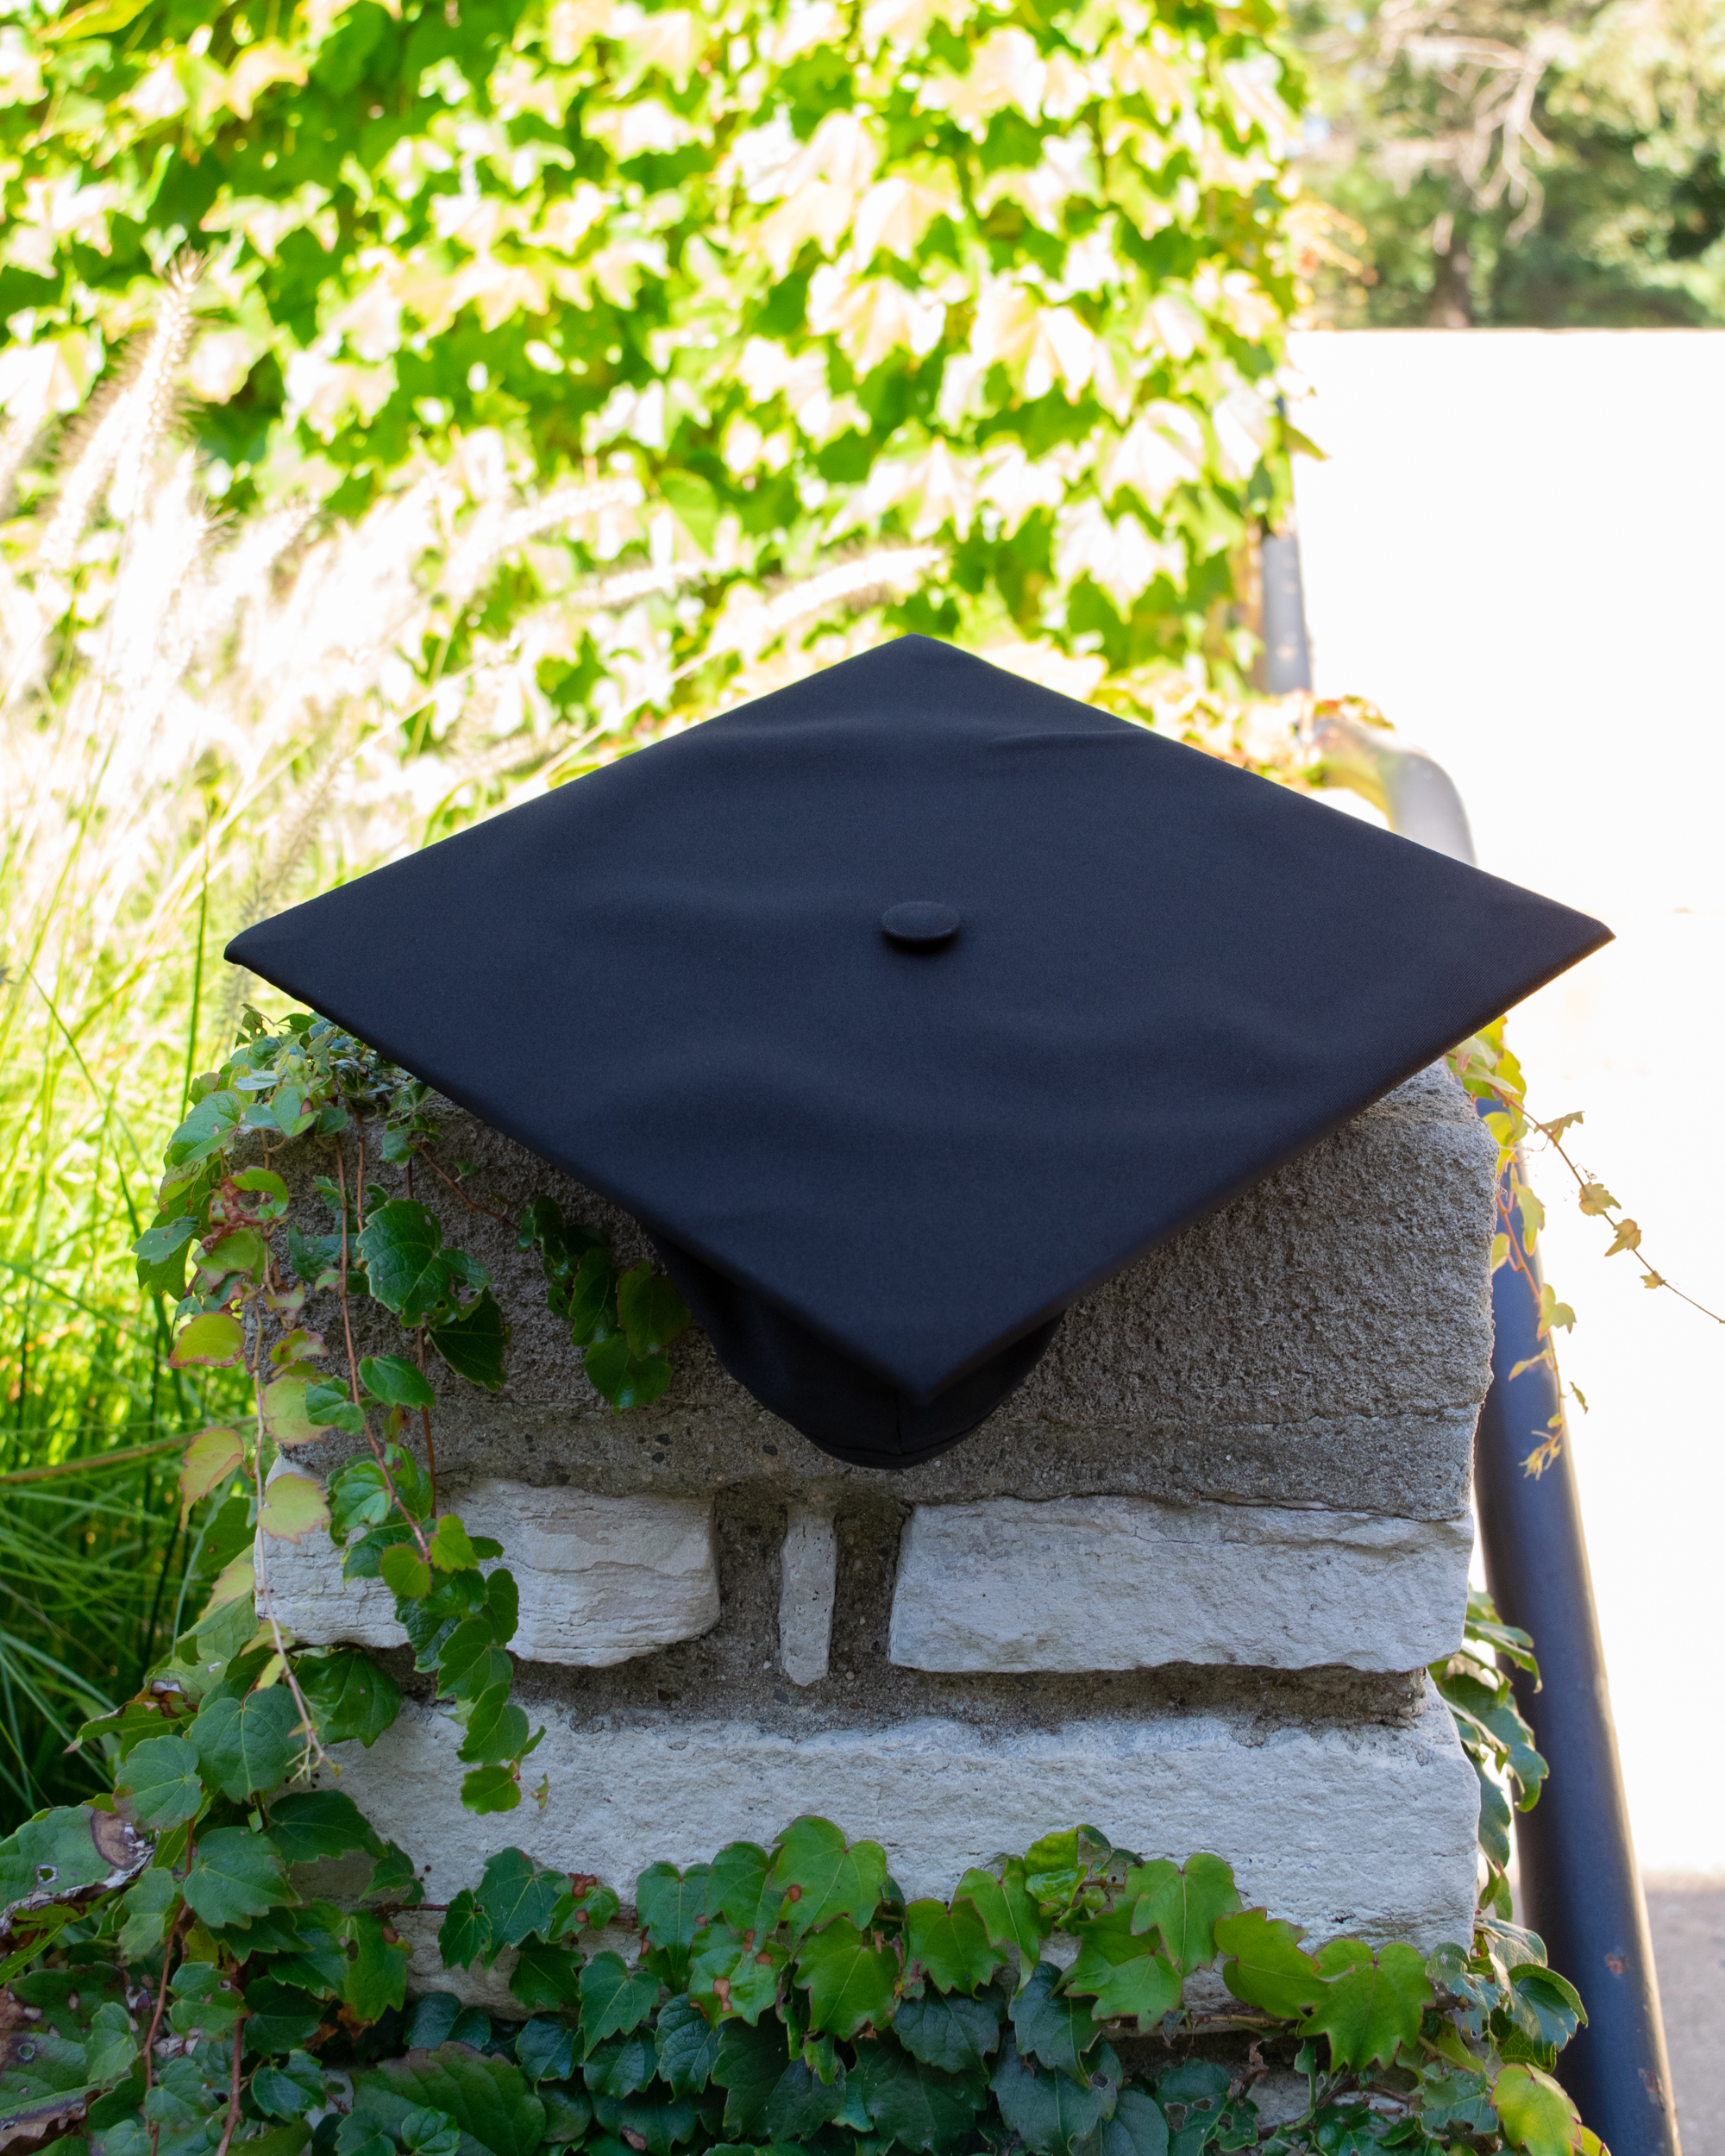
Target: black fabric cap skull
x: 907, y: 1004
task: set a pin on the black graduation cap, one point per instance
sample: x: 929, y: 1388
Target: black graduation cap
x: 907, y: 1004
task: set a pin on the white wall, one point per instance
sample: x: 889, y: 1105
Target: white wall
x: 1517, y: 548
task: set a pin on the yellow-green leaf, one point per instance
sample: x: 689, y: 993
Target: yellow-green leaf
x: 294, y: 1507
x: 285, y: 1411
x: 1537, y: 2116
x: 208, y: 1461
x: 214, y: 1341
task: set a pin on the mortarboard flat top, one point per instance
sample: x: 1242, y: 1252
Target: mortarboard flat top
x: 1119, y: 980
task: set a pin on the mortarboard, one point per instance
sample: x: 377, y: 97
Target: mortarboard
x: 906, y: 1005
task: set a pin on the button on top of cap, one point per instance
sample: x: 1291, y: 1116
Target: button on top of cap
x: 921, y: 924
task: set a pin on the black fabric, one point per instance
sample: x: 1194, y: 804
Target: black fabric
x: 864, y: 1421
x: 670, y: 978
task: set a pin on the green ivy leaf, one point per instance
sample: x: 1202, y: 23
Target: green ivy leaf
x: 279, y: 2016
x: 349, y: 1695
x: 450, y: 1548
x: 159, y: 1783
x: 317, y: 1960
x: 1369, y: 2003
x: 1124, y: 1975
x: 429, y: 1620
x: 728, y: 1974
x: 1008, y: 1912
x: 1184, y: 1904
x: 1047, y: 2111
x: 488, y: 2099
x: 545, y: 2048
x: 208, y: 1128
x: 650, y: 1311
x: 161, y: 1252
x: 146, y: 1912
x: 1537, y: 2115
x: 497, y: 1729
x: 493, y: 1788
x: 395, y: 1381
x: 546, y: 1977
x: 404, y: 1572
x: 517, y: 1897
x: 469, y: 1664
x: 621, y: 2065
x: 288, y: 2092
x: 850, y: 1978
x: 464, y: 1936
x: 1050, y: 2026
x: 736, y: 1889
x: 235, y: 1877
x: 687, y: 2047
x: 951, y: 1944
x: 1547, y: 2006
x: 215, y: 1341
x: 1264, y: 1965
x: 916, y: 2103
x: 409, y: 1271
x: 248, y: 1744
x: 669, y: 1903
x: 625, y: 1379
x: 801, y: 2104
x: 474, y: 1342
x: 1058, y: 1865
x: 955, y: 2034
x: 1456, y: 2104
x: 1138, y: 2128
x: 312, y: 1823
x: 821, y: 1876
x: 590, y: 1304
x: 615, y: 1998
x: 359, y: 1498
x: 750, y: 2063
x: 376, y: 1975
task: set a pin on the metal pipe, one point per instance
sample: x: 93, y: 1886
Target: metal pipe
x: 1286, y: 654
x: 1578, y: 1885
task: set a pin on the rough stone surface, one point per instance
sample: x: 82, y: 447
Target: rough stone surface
x: 1325, y: 1339
x: 1364, y: 1829
x: 808, y: 1578
x: 1127, y: 1583
x: 733, y: 1673
x: 601, y: 1579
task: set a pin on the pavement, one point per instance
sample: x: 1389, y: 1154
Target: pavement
x: 1687, y: 1916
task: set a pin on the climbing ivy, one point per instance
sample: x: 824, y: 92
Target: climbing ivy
x: 178, y: 1984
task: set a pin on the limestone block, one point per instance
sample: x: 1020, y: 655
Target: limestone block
x: 808, y: 1582
x: 1127, y: 1583
x: 601, y: 1579
x: 1362, y: 1829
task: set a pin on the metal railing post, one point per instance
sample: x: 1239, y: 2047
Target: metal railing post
x: 1577, y: 1884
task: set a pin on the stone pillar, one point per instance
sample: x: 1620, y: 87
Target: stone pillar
x: 1182, y: 1586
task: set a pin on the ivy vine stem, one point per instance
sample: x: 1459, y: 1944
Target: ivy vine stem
x: 233, y: 2119
x: 316, y: 1755
x: 378, y: 1453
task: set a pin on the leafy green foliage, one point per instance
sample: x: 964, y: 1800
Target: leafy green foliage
x: 952, y: 1944
x: 817, y: 2019
x: 1476, y: 1685
x: 623, y: 1321
x: 1372, y: 2004
x: 159, y: 1783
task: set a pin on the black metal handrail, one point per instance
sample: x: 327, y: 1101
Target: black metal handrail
x: 1577, y: 1885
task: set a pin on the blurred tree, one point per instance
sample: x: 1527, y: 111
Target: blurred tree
x: 1513, y: 163
x: 1006, y: 281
